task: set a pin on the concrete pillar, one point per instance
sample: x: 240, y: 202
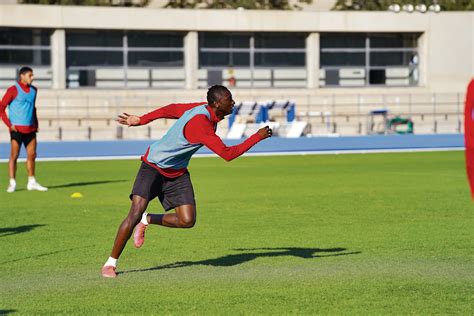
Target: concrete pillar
x: 191, y: 55
x: 423, y: 60
x: 312, y: 61
x: 58, y: 59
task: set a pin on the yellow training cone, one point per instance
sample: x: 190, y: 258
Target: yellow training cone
x: 76, y: 195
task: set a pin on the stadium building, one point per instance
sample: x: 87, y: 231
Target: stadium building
x: 341, y: 69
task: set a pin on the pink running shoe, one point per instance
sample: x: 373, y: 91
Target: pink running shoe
x: 108, y: 272
x: 139, y: 235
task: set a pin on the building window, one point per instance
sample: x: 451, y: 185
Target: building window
x: 252, y: 60
x: 25, y: 47
x: 280, y: 50
x: 220, y: 50
x: 118, y: 59
x: 389, y: 59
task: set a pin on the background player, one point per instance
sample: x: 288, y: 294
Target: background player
x: 22, y: 122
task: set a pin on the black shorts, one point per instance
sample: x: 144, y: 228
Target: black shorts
x: 22, y: 138
x: 172, y: 192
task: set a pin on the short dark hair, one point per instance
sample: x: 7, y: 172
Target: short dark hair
x: 215, y: 93
x: 24, y: 70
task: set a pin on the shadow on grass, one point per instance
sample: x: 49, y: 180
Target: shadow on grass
x: 7, y: 231
x: 81, y: 184
x: 44, y: 254
x: 7, y: 311
x: 249, y: 255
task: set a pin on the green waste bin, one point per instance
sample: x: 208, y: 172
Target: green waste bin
x: 395, y: 123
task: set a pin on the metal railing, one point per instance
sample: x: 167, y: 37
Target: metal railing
x: 92, y: 117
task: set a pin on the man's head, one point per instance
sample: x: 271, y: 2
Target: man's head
x: 26, y: 75
x: 220, y: 99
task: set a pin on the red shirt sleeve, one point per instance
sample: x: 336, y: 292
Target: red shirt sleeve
x: 7, y: 99
x: 200, y: 130
x: 468, y: 116
x: 172, y: 111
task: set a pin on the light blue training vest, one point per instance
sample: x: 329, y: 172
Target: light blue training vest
x: 173, y: 150
x: 21, y: 109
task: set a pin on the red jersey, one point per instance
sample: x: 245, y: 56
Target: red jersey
x: 199, y: 130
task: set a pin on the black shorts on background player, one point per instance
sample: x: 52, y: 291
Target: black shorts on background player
x: 172, y: 192
x: 21, y: 138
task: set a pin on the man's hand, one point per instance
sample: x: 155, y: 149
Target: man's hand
x: 13, y: 129
x: 265, y: 132
x: 128, y: 119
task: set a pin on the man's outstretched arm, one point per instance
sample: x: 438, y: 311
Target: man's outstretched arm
x: 200, y: 130
x: 171, y: 111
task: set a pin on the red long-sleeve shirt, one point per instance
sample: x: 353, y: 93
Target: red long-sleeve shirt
x: 199, y: 130
x: 469, y: 135
x: 9, y: 96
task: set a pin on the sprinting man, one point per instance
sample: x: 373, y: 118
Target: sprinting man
x: 163, y: 172
x: 23, y: 125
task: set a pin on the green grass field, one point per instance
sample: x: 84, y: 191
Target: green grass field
x: 374, y: 233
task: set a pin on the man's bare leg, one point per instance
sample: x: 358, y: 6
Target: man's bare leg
x: 31, y: 157
x: 30, y: 167
x: 12, y: 165
x: 124, y: 232
x: 184, y: 217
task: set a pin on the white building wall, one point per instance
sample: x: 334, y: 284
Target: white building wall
x: 447, y: 52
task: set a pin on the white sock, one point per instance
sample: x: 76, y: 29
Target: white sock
x: 12, y: 181
x: 31, y: 180
x: 111, y: 262
x: 144, y: 221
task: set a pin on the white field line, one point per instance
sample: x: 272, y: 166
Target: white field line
x: 276, y: 153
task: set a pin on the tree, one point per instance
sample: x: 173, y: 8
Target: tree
x: 182, y: 4
x: 87, y: 2
x: 234, y: 4
x: 382, y: 5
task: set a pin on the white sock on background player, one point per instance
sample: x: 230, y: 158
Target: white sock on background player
x: 11, y: 186
x: 34, y: 185
x: 31, y: 179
